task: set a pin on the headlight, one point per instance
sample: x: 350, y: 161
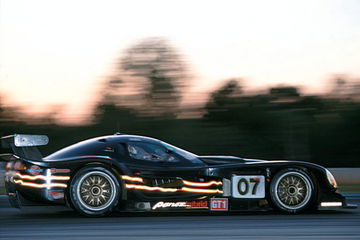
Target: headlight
x: 331, y: 179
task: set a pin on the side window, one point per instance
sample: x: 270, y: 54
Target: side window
x: 150, y: 152
x: 120, y: 150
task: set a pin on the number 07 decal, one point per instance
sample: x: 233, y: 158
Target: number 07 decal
x: 248, y: 186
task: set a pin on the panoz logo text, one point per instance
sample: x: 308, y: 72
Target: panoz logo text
x: 187, y: 205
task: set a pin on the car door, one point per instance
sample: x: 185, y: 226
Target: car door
x: 159, y: 172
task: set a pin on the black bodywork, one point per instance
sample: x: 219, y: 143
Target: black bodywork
x: 174, y: 180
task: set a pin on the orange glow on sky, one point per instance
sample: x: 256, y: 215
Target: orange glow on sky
x: 60, y: 52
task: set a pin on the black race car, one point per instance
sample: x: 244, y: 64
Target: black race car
x: 136, y: 173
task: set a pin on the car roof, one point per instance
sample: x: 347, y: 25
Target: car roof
x: 92, y: 145
x: 123, y: 137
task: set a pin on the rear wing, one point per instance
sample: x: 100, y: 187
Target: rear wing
x: 25, y: 145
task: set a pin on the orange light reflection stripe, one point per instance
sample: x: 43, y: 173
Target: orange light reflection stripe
x: 201, y: 184
x: 184, y: 189
x: 133, y: 179
x: 43, y: 185
x: 42, y: 177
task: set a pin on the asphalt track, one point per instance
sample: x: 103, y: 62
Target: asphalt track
x: 60, y: 223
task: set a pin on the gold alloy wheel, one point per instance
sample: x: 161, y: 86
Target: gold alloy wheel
x: 293, y: 190
x: 96, y: 190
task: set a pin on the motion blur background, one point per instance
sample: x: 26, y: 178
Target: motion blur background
x: 257, y: 79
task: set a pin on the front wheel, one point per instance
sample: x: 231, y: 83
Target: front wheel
x: 292, y: 190
x: 94, y: 191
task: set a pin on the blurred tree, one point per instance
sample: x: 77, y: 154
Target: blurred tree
x: 339, y: 84
x: 227, y: 104
x: 1, y: 109
x: 222, y: 101
x: 114, y: 118
x: 159, y: 75
x: 284, y: 92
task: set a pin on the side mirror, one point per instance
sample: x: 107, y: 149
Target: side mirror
x: 169, y: 151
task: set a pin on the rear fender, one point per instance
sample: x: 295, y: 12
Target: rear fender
x: 117, y: 169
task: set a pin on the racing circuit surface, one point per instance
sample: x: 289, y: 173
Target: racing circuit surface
x: 60, y: 223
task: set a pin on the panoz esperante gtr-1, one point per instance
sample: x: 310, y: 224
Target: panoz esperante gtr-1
x: 134, y: 173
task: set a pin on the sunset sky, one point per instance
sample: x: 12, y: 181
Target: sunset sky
x: 60, y: 52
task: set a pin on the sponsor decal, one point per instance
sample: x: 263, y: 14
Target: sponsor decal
x: 56, y: 194
x: 219, y: 204
x: 186, y: 205
x: 197, y: 205
x: 57, y: 170
x: 34, y: 170
x: 108, y: 149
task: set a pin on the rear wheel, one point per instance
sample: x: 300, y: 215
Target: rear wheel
x: 94, y: 191
x: 292, y: 190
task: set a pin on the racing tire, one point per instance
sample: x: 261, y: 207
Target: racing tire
x: 292, y: 190
x: 94, y: 191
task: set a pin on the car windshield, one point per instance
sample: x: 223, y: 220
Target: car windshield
x: 185, y: 154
